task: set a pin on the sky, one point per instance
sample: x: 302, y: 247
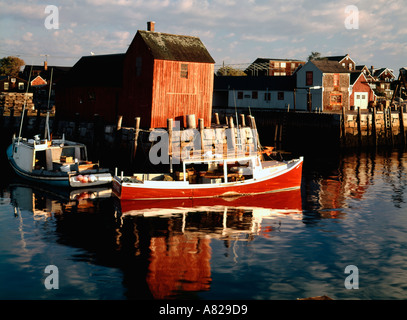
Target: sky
x: 235, y: 32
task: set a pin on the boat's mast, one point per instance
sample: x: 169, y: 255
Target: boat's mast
x: 25, y: 101
x: 47, y: 133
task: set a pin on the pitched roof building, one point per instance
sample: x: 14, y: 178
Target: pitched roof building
x: 273, y: 67
x: 160, y: 76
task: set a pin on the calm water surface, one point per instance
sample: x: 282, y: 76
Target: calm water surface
x: 351, y: 211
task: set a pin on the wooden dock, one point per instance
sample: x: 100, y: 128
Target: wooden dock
x: 298, y: 132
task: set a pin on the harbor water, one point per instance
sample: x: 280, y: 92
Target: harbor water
x: 351, y: 211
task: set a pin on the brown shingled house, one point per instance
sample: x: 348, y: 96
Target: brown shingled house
x: 327, y: 82
x: 160, y: 76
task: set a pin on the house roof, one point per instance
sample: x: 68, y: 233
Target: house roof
x: 329, y: 66
x: 272, y: 83
x: 58, y: 71
x: 275, y: 59
x: 378, y: 72
x: 166, y: 46
x: 354, y: 76
x: 100, y: 70
x: 8, y: 78
x: 338, y: 58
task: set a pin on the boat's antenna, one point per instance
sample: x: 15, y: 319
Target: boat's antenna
x: 239, y: 142
x: 25, y: 101
x: 47, y: 133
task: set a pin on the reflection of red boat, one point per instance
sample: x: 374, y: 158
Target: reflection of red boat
x: 224, y: 177
x: 287, y: 201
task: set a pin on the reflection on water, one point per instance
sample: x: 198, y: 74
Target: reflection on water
x: 192, y: 248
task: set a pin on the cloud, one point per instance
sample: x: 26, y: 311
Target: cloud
x: 244, y: 29
x: 27, y: 36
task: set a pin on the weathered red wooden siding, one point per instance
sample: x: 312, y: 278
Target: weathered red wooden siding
x: 137, y: 89
x: 176, y: 97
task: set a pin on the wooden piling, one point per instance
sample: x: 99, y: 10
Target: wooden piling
x: 169, y: 130
x: 119, y: 123
x: 359, y: 120
x: 254, y: 127
x: 217, y: 122
x: 390, y: 125
x: 242, y: 121
x: 136, y: 134
x: 201, y: 131
x: 276, y: 132
x: 191, y: 121
x: 401, y: 125
x: 231, y: 139
x: 374, y: 130
x: 343, y: 129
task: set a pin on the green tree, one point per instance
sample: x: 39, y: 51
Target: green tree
x: 229, y: 71
x: 10, y: 66
x: 315, y: 56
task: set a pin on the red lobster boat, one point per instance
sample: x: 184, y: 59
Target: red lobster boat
x: 215, y: 177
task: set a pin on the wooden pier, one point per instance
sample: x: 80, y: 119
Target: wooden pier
x: 298, y: 132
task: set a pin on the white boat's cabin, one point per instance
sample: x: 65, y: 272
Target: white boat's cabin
x: 33, y: 154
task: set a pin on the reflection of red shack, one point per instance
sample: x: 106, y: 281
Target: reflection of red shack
x: 179, y: 263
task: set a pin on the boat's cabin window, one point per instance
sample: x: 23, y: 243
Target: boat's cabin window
x: 74, y: 152
x: 215, y: 172
x: 68, y: 152
x: 40, y: 160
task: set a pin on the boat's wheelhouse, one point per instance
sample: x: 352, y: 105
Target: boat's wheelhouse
x: 32, y: 155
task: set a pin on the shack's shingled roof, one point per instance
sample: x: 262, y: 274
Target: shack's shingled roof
x: 328, y: 66
x: 166, y: 46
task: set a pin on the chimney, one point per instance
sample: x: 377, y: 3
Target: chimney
x: 45, y: 65
x: 150, y: 26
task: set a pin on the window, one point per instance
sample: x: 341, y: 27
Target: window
x: 280, y: 95
x: 308, y: 78
x: 282, y: 64
x: 336, y: 79
x: 184, y: 71
x: 292, y: 66
x: 255, y: 95
x: 6, y: 85
x: 336, y: 99
x: 267, y: 96
x: 240, y: 95
x: 276, y: 64
x: 21, y: 86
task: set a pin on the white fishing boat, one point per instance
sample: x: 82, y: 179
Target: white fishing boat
x: 56, y: 162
